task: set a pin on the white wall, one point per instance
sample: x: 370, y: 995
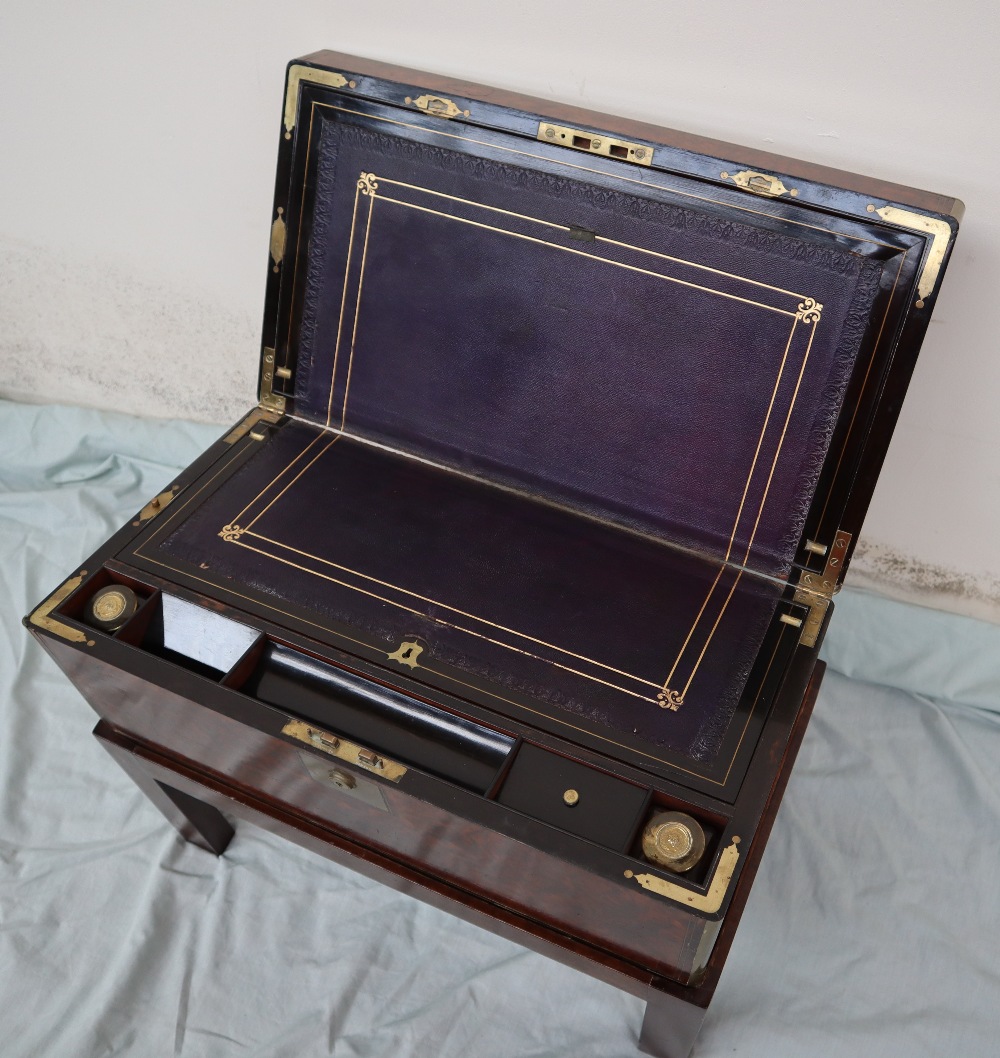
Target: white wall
x: 138, y: 142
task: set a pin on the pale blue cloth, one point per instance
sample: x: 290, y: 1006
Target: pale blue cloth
x: 872, y: 930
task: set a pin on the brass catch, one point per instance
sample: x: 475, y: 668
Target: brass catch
x: 340, y: 748
x: 438, y: 106
x: 760, y: 183
x: 595, y: 143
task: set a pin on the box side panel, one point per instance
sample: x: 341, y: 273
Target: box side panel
x: 614, y: 915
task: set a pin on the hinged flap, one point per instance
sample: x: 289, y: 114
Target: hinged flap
x: 591, y: 313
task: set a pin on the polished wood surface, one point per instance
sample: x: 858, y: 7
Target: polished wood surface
x: 639, y: 130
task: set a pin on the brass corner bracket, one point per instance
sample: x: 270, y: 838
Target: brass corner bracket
x: 940, y: 233
x: 298, y: 74
x: 42, y: 617
x: 710, y: 901
x: 816, y: 590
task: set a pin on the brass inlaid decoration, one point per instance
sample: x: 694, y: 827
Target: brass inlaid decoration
x: 760, y: 183
x: 278, y: 238
x: 940, y: 232
x: 710, y: 901
x: 438, y: 106
x: 407, y: 653
x: 231, y: 533
x: 595, y: 143
x: 41, y: 617
x: 296, y: 75
x: 344, y: 750
x: 810, y: 311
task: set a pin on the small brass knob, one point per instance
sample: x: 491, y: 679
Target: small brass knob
x: 673, y: 840
x: 571, y: 797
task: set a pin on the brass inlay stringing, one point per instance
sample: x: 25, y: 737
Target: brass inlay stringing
x: 760, y: 183
x: 278, y: 238
x: 41, y: 617
x: 595, y: 143
x: 407, y: 653
x: 940, y: 232
x: 156, y: 505
x: 341, y: 748
x: 816, y: 590
x: 807, y: 315
x: 709, y: 902
x: 306, y: 73
x: 438, y: 106
x: 268, y: 398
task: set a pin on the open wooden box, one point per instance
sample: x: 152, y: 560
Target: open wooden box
x: 566, y: 428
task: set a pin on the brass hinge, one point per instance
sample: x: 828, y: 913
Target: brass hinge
x: 816, y: 590
x: 760, y: 183
x: 268, y: 398
x: 438, y: 106
x: 595, y: 143
x: 157, y: 504
x: 256, y: 415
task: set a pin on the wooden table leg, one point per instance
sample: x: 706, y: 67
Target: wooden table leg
x: 670, y: 1026
x: 200, y: 823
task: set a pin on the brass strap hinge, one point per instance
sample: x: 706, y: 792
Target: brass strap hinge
x: 268, y: 398
x: 257, y: 415
x: 816, y: 590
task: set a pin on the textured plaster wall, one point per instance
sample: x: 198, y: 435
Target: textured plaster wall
x: 137, y: 161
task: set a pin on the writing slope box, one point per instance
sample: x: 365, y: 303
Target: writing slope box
x: 510, y: 588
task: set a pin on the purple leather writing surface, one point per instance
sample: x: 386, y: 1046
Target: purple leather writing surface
x: 660, y: 365
x: 589, y: 621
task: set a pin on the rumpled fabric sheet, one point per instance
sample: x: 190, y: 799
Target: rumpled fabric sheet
x: 873, y: 927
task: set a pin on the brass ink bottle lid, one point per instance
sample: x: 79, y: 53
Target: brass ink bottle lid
x: 673, y: 840
x: 111, y: 607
